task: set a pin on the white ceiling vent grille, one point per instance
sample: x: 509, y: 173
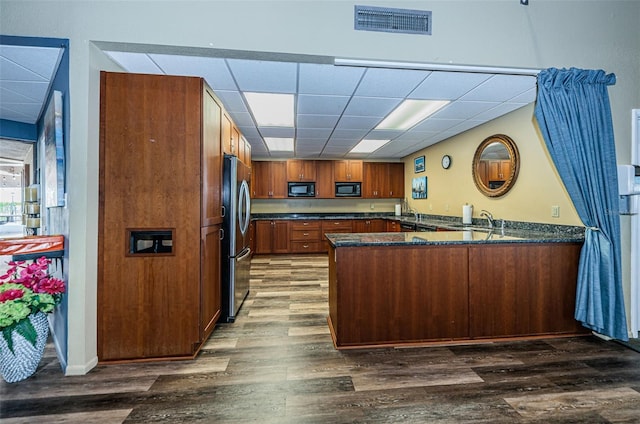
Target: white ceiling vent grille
x: 369, y: 18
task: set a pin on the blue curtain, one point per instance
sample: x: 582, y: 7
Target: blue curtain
x: 574, y: 116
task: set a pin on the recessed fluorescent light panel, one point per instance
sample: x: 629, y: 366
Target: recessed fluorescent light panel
x: 409, y: 113
x: 279, y: 144
x: 368, y: 146
x: 271, y: 110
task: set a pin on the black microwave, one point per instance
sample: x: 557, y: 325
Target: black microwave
x: 348, y: 190
x: 301, y: 189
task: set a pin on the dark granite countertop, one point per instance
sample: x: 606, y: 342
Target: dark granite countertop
x: 442, y: 237
x: 425, y: 226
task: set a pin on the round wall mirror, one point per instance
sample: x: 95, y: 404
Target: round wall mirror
x: 495, y: 165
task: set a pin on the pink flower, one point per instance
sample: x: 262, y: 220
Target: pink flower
x: 49, y: 285
x: 11, y: 295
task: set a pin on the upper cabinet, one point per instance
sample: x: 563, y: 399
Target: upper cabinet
x: 301, y: 170
x: 325, y: 185
x: 268, y: 180
x: 347, y: 171
x: 383, y: 180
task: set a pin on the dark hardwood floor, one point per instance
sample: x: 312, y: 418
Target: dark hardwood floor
x: 276, y: 364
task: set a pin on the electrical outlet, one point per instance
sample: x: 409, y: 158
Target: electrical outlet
x: 446, y: 207
x: 555, y: 211
x: 372, y: 206
x: 430, y: 207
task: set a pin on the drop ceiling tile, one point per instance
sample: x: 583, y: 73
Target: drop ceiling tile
x: 317, y: 121
x: 277, y: 132
x: 14, y: 72
x: 242, y: 119
x: 464, y: 110
x: 321, y: 105
x: 440, y: 85
x: 249, y: 131
x: 380, y: 82
x: 351, y: 135
x: 23, y: 92
x: 371, y: 106
x: 527, y: 97
x: 413, y: 137
x: 135, y: 62
x: 213, y: 69
x: 361, y: 123
x: 384, y: 134
x: 232, y: 101
x: 435, y: 124
x: 41, y: 61
x: 500, y: 88
x: 501, y: 109
x: 315, y: 133
x: 328, y: 79
x: 11, y: 114
x: 264, y: 76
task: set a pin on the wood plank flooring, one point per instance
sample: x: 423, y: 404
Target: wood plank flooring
x: 276, y: 364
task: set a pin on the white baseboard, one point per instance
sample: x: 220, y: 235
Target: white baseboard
x: 81, y: 369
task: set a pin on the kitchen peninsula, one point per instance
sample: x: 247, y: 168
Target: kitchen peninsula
x: 408, y: 288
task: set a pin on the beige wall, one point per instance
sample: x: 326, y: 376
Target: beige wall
x: 537, y: 188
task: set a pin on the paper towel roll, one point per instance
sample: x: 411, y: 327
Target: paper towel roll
x: 398, y: 209
x: 467, y: 213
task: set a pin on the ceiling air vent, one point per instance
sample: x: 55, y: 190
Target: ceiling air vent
x: 369, y: 18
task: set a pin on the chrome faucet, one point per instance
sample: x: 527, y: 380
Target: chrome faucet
x: 489, y: 217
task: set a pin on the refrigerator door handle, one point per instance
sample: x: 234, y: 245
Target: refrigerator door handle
x: 221, y: 233
x: 243, y: 256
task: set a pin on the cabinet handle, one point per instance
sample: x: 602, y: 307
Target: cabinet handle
x: 221, y: 233
x: 305, y: 234
x: 306, y: 246
x: 305, y: 223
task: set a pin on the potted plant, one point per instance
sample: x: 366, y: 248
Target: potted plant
x: 27, y: 293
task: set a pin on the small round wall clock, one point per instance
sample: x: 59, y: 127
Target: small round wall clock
x: 446, y: 161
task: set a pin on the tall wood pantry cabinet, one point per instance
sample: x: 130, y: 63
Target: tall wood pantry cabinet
x: 159, y: 216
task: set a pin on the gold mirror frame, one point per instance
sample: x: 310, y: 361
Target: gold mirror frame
x: 481, y: 167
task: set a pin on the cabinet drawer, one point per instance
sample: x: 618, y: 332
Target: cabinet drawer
x: 305, y: 225
x: 306, y: 246
x: 306, y: 235
x: 337, y: 226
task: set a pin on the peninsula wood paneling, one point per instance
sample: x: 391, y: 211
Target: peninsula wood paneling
x: 387, y: 295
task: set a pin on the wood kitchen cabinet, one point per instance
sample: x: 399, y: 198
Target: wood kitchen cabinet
x: 301, y: 170
x: 230, y: 136
x: 396, y: 180
x: 159, y: 216
x: 325, y: 184
x: 383, y: 180
x: 369, y: 225
x: 393, y: 227
x: 347, y: 170
x: 531, y: 290
x: 272, y: 236
x: 306, y: 236
x: 210, y: 289
x: 269, y: 180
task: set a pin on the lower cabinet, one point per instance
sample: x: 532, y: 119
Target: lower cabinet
x: 369, y: 225
x: 272, y: 236
x: 306, y: 237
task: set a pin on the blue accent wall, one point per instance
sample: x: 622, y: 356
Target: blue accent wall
x: 18, y: 130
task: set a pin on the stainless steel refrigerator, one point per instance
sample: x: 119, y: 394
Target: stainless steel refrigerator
x: 236, y: 252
